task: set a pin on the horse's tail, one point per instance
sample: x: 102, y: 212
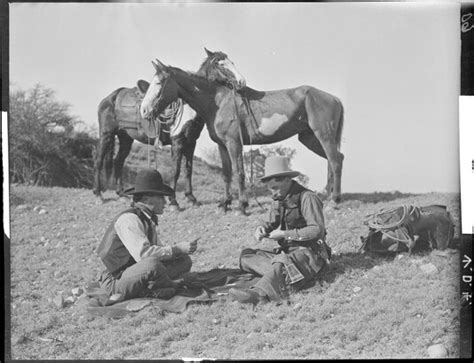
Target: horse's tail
x: 340, y: 127
x: 105, y: 110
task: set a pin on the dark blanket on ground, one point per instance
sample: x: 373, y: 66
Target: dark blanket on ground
x: 201, y: 287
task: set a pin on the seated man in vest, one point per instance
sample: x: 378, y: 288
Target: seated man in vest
x: 137, y: 263
x: 296, y: 223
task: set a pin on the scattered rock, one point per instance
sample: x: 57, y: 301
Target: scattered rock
x: 297, y: 306
x: 399, y: 257
x: 43, y: 211
x: 428, y: 268
x: 69, y: 300
x: 36, y: 208
x: 252, y: 335
x: 22, y: 207
x: 215, y: 321
x: 58, y: 300
x: 437, y: 351
x: 210, y: 340
x: 21, y: 339
x: 357, y: 289
x: 77, y: 291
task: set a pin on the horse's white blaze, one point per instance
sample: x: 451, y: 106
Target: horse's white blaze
x: 150, y: 95
x: 227, y: 64
x: 187, y: 116
x: 270, y: 125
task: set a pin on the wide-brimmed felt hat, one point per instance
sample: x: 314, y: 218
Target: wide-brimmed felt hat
x: 149, y: 181
x: 277, y: 166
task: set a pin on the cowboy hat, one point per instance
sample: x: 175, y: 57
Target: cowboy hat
x: 277, y: 166
x: 149, y: 181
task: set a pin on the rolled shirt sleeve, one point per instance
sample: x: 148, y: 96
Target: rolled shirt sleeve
x: 312, y: 211
x: 133, y: 235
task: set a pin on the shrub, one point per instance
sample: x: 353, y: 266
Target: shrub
x: 44, y: 148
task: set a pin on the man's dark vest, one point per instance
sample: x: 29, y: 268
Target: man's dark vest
x: 113, y: 252
x: 291, y: 218
x: 290, y: 213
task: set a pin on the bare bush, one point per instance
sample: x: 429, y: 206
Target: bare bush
x: 44, y: 148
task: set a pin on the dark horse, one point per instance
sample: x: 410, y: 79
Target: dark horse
x: 242, y: 117
x: 119, y: 116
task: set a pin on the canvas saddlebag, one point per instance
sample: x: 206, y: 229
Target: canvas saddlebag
x: 407, y: 228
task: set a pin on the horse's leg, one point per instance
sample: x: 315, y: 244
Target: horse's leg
x: 189, y: 148
x: 235, y: 149
x: 105, y: 147
x: 308, y: 139
x: 125, y: 145
x: 176, y: 157
x: 227, y: 176
x: 326, y: 133
x: 330, y: 182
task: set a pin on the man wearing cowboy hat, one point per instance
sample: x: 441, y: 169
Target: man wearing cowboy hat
x: 296, y: 223
x: 137, y: 263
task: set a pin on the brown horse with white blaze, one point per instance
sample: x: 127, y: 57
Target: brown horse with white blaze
x: 244, y: 116
x: 118, y: 120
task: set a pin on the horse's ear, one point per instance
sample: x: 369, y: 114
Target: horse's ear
x: 159, y: 67
x: 208, y: 52
x: 142, y: 86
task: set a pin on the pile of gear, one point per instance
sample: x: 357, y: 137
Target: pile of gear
x: 407, y: 228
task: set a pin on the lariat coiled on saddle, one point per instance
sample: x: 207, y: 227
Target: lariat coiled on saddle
x: 395, y: 218
x: 171, y: 115
x: 393, y: 224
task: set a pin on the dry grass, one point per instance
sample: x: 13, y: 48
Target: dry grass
x: 396, y: 312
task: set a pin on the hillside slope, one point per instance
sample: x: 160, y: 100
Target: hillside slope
x: 363, y: 306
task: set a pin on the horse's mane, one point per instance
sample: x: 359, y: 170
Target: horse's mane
x: 181, y: 72
x: 207, y: 64
x: 194, y: 76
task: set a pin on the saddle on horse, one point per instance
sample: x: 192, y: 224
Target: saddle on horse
x: 404, y: 228
x: 127, y: 112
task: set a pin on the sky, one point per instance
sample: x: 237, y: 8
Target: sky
x: 395, y: 67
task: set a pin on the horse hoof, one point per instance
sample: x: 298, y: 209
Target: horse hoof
x: 221, y: 210
x: 240, y: 212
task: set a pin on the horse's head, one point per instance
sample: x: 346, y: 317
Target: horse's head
x: 218, y: 67
x: 163, y: 90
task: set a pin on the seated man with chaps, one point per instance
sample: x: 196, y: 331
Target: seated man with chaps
x: 296, y: 223
x: 137, y: 263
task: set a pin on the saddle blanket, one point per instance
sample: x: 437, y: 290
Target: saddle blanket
x: 201, y: 287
